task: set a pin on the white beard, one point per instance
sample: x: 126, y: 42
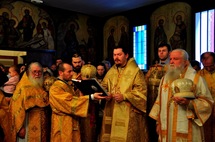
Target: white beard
x: 37, y: 82
x: 173, y: 72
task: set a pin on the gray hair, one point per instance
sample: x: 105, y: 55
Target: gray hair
x: 31, y: 64
x: 183, y: 53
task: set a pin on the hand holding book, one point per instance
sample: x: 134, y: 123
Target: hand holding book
x: 89, y: 86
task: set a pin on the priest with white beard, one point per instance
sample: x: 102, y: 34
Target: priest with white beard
x: 29, y: 106
x: 180, y: 118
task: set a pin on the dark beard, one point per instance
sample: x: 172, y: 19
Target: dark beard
x: 77, y: 70
x: 117, y: 65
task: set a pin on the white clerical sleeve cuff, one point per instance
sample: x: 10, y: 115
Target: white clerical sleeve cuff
x: 92, y: 96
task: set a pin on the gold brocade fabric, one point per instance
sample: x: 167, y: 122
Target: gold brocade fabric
x: 155, y: 73
x: 88, y: 71
x: 75, y: 76
x: 4, y: 116
x: 32, y: 100
x: 125, y: 121
x: 153, y: 78
x: 209, y: 126
x: 67, y: 108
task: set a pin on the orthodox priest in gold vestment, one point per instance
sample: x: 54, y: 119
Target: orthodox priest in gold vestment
x: 208, y: 73
x: 67, y: 108
x: 28, y: 107
x: 125, y: 112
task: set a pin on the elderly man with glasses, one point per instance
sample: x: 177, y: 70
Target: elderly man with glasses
x: 28, y: 107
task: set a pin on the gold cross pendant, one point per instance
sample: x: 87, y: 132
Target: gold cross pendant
x: 165, y: 86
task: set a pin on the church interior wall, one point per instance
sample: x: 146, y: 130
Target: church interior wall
x: 88, y: 33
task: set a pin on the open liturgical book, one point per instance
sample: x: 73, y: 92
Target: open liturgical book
x: 89, y: 86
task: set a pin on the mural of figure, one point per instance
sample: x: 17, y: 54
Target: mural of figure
x: 179, y: 38
x: 111, y: 44
x: 5, y: 16
x: 159, y: 35
x: 27, y: 25
x: 124, y: 40
x: 91, y: 44
x: 47, y: 36
x: 13, y: 34
x: 71, y: 41
x: 39, y: 30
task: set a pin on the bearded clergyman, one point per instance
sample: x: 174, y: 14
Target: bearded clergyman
x: 124, y: 118
x: 184, y: 102
x: 28, y: 107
